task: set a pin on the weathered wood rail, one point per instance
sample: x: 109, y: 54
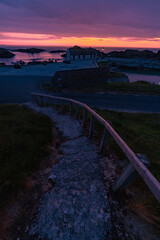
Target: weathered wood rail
x: 141, y: 169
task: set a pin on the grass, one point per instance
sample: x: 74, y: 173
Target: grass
x: 133, y: 88
x: 24, y: 136
x: 140, y: 132
x: 136, y: 87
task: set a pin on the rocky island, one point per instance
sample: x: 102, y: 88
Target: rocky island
x: 130, y: 53
x: 4, y: 53
x: 57, y: 51
x: 29, y: 50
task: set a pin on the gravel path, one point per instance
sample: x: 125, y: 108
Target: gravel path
x: 77, y: 207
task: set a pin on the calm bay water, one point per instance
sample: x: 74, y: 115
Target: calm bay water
x: 43, y: 56
x: 28, y: 57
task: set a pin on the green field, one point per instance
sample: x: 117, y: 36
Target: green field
x: 24, y: 137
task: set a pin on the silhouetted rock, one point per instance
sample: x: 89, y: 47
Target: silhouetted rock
x: 158, y: 55
x: 129, y: 53
x: 57, y: 51
x: 30, y: 50
x: 64, y: 55
x: 5, y: 53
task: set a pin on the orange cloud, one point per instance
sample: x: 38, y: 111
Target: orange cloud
x: 29, y: 39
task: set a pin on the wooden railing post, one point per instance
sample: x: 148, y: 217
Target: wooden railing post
x: 77, y: 111
x: 48, y: 101
x: 41, y: 97
x: 71, y: 108
x: 105, y: 138
x: 62, y: 106
x: 84, y: 117
x: 33, y: 99
x: 36, y: 100
x: 129, y: 174
x: 91, y: 126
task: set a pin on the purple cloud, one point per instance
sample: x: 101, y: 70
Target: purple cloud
x: 94, y: 18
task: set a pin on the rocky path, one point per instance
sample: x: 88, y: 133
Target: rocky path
x: 77, y: 207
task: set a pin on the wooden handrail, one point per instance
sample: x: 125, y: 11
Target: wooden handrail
x: 142, y: 170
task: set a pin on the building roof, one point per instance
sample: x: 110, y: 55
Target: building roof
x: 82, y: 51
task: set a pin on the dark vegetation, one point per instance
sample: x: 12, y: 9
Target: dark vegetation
x: 139, y: 87
x: 24, y: 137
x: 5, y: 53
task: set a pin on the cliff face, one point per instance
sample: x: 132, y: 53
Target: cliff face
x: 5, y: 53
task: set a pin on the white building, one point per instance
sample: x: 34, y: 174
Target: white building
x: 78, y: 53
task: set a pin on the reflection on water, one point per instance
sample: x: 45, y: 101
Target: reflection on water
x: 43, y: 56
x: 28, y: 57
x: 151, y: 77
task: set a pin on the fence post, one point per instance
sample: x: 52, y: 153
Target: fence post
x: 129, y: 174
x: 36, y: 100
x: 91, y: 126
x: 77, y: 112
x: 48, y: 100
x: 71, y: 108
x: 62, y: 106
x: 41, y: 97
x: 84, y: 117
x: 33, y: 99
x: 105, y: 138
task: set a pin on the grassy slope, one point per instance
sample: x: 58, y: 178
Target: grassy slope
x: 140, y: 132
x: 133, y: 88
x: 24, y: 136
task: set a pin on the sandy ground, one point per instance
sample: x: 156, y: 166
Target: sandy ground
x: 45, y: 70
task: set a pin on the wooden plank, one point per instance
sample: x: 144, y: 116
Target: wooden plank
x: 146, y: 175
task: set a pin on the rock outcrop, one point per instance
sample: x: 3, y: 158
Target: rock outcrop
x: 57, y: 51
x: 5, y: 53
x: 30, y: 50
x: 129, y: 53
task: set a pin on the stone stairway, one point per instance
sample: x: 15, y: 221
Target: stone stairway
x: 77, y: 207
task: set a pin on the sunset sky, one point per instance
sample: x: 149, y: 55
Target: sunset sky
x: 106, y: 23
